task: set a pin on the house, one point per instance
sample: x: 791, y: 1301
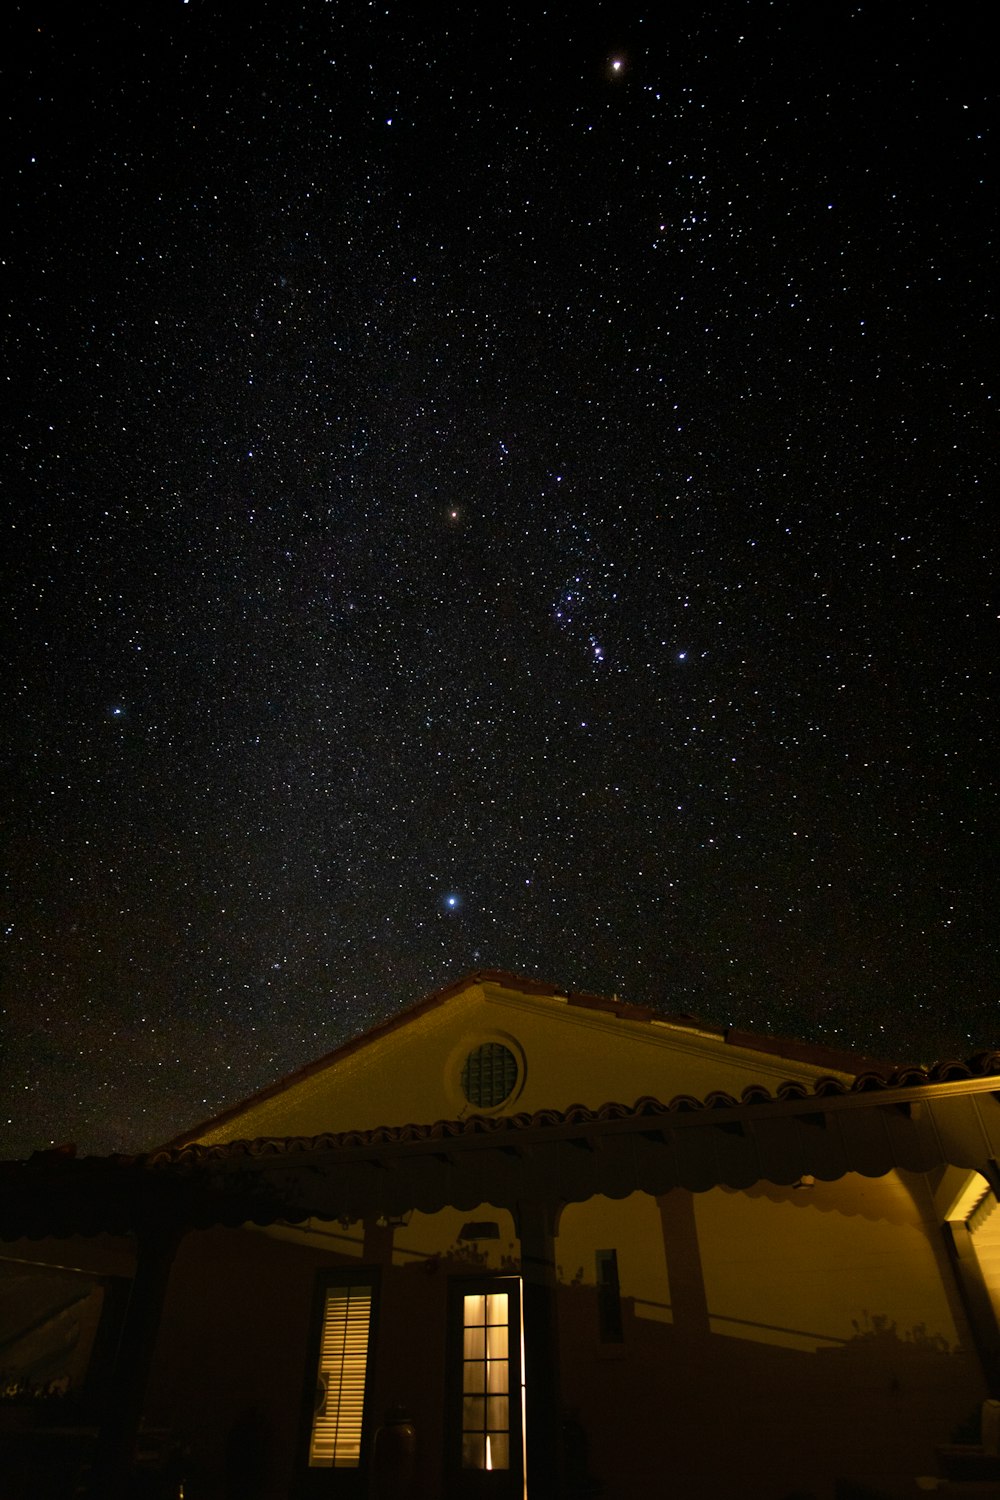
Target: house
x: 513, y: 1242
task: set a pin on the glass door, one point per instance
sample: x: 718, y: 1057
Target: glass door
x: 486, y: 1427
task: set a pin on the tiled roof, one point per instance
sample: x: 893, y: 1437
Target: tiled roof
x: 913, y: 1119
x: 984, y: 1065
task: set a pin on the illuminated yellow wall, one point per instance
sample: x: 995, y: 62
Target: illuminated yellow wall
x: 567, y: 1055
x: 819, y: 1267
x: 808, y: 1335
x: 632, y: 1228
x: 426, y: 1236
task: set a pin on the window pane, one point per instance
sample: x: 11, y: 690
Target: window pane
x: 498, y: 1449
x: 474, y: 1311
x: 473, y: 1450
x: 496, y: 1306
x: 474, y: 1376
x: 497, y: 1417
x: 496, y: 1343
x: 474, y: 1343
x: 496, y: 1377
x: 489, y: 1075
x: 474, y: 1413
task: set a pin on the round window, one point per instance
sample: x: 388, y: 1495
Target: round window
x: 489, y: 1075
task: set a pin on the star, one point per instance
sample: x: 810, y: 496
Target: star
x: 435, y: 625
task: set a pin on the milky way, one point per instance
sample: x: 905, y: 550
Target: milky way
x: 490, y: 488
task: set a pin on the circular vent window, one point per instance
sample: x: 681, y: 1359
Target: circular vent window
x: 489, y: 1075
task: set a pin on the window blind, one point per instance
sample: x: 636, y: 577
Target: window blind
x: 343, y: 1366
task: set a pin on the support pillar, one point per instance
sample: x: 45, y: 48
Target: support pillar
x: 976, y: 1300
x: 688, y: 1300
x: 126, y: 1392
x: 377, y: 1247
x: 536, y: 1225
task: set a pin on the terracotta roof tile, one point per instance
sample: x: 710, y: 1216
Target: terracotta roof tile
x: 54, y: 1193
x: 985, y: 1065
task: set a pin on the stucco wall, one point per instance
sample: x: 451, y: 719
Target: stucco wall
x: 566, y: 1055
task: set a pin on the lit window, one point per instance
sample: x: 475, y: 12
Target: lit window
x: 489, y: 1075
x: 335, y: 1441
x: 486, y: 1393
x: 486, y: 1381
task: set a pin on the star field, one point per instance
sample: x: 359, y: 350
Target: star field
x: 490, y: 487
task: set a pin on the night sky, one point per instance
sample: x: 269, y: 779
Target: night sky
x: 490, y: 487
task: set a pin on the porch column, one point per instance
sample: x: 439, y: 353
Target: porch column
x: 536, y: 1227
x: 377, y: 1247
x: 126, y: 1392
x: 686, y: 1280
x: 976, y: 1298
